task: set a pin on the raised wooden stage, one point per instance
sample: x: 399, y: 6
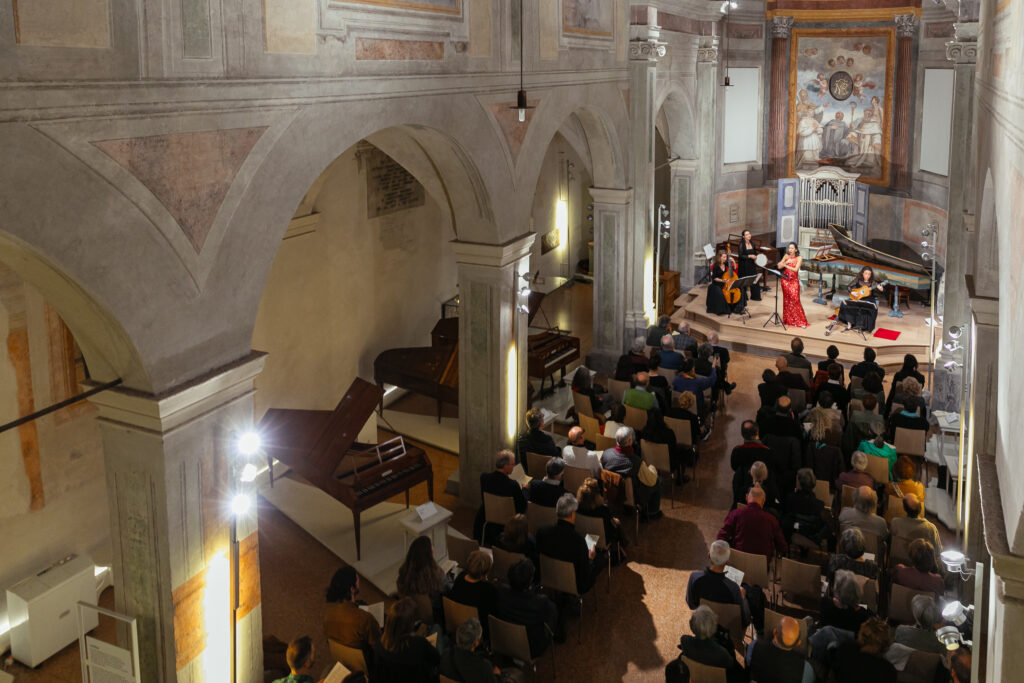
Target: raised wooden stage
x: 752, y: 336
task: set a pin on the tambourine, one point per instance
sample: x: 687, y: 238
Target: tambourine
x: 761, y: 260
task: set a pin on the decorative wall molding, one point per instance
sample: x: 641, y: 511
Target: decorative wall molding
x: 906, y: 25
x: 344, y: 20
x: 962, y: 52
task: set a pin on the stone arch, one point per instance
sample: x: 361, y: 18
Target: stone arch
x: 678, y: 122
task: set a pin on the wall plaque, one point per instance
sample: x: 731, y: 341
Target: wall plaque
x: 389, y: 187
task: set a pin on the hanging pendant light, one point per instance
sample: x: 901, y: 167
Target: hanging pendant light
x: 724, y: 9
x: 521, y: 106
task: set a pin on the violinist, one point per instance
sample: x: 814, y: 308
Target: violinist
x: 724, y: 271
x: 864, y: 288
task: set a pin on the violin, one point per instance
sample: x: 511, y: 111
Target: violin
x: 732, y: 294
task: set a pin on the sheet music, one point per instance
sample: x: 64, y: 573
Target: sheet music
x: 337, y: 674
x: 377, y: 610
x: 591, y: 541
x: 520, y: 476
x: 734, y: 575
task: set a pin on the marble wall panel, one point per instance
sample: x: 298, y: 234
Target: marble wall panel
x: 380, y: 49
x: 62, y: 23
x: 290, y: 26
x: 743, y: 209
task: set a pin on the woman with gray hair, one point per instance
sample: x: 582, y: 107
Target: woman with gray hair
x: 843, y: 610
x: 705, y: 646
x: 850, y: 556
x: 463, y: 662
x: 631, y: 363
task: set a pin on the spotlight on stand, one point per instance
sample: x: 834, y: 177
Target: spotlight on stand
x: 249, y: 473
x: 956, y: 613
x: 950, y: 637
x: 956, y: 561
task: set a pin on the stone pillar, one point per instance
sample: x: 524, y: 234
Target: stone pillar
x: 906, y: 27
x: 171, y: 468
x: 707, y: 141
x: 682, y: 244
x: 644, y: 51
x: 982, y: 399
x: 492, y: 354
x: 779, y: 97
x: 611, y: 216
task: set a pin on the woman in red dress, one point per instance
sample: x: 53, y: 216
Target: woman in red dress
x: 792, y: 309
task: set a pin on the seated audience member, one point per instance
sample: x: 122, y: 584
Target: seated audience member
x: 592, y: 504
x: 576, y: 454
x: 687, y: 380
x: 871, y: 386
x: 670, y: 358
x: 421, y: 575
x: 823, y: 406
x: 862, y: 515
x: 864, y: 659
x: 548, y: 490
x: 757, y: 476
x: 850, y: 556
x: 788, y: 379
x: 615, y: 421
x: 640, y: 396
x: 301, y: 656
x: 909, y: 369
x: 863, y: 424
x: 682, y: 339
x: 960, y: 665
x: 867, y: 365
x: 927, y: 620
x: 702, y: 362
x: 795, y: 358
x: 786, y: 458
x: 723, y: 363
x: 910, y: 397
x: 684, y: 410
x: 834, y: 386
x: 583, y: 384
x: 903, y: 478
x: 658, y: 384
x: 519, y: 603
x: 843, y: 610
x: 534, y: 440
x: 631, y: 363
x: 921, y: 574
x: 498, y: 483
x: 712, y: 584
x: 752, y: 530
x: 703, y: 648
x: 401, y: 655
x: 463, y: 661
x: 344, y: 621
x: 878, y: 447
x: 914, y: 525
x: 777, y: 660
x: 824, y: 457
x: 751, y: 450
x: 804, y: 511
x: 516, y: 538
x: 656, y: 332
x: 832, y: 353
x: 908, y: 418
x: 472, y: 587
x: 561, y: 542
x: 770, y: 388
x: 626, y: 462
x: 656, y: 431
x: 781, y: 421
x: 856, y: 477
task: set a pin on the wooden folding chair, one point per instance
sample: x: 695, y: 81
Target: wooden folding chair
x: 754, y: 568
x: 771, y: 622
x: 444, y: 679
x: 872, y: 543
x: 657, y: 454
x: 503, y: 559
x: 584, y: 408
x: 899, y: 551
x: 855, y: 383
x: 498, y: 510
x: 538, y: 516
x: 573, y: 478
x: 822, y: 493
x: 629, y: 501
x: 591, y: 427
x: 856, y: 404
x: 352, y: 658
x: 681, y: 428
x: 848, y: 496
x: 560, y: 575
x: 617, y: 388
x: 878, y: 467
x: 702, y: 673
x: 798, y: 397
x: 459, y: 548
x: 894, y: 509
x: 537, y: 464
x: 730, y: 617
x: 912, y: 443
x: 603, y: 442
x: 511, y: 640
x: 635, y: 418
x: 899, y: 603
x: 869, y: 591
x: 455, y: 613
x: 594, y: 526
x: 799, y: 583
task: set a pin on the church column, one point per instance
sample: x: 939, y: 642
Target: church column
x: 682, y: 243
x: 981, y: 401
x: 171, y: 468
x: 492, y: 353
x: 779, y: 97
x: 906, y: 27
x: 707, y: 141
x: 611, y: 216
x: 644, y: 51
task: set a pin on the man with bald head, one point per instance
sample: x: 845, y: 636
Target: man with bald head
x: 752, y: 530
x: 862, y: 515
x: 914, y: 525
x: 640, y: 396
x: 777, y: 660
x: 791, y: 380
x: 576, y: 454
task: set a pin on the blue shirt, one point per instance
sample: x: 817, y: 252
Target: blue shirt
x: 696, y: 384
x: 671, y: 360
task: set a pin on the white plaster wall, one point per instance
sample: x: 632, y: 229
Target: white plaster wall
x: 337, y: 297
x: 552, y: 184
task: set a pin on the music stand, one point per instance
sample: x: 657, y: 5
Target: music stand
x: 709, y: 255
x: 866, y: 305
x: 741, y: 284
x: 775, y: 318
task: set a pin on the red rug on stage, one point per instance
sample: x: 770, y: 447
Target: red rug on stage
x: 888, y: 335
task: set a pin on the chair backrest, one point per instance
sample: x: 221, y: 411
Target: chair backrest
x: 498, y: 509
x: 702, y: 673
x: 573, y: 478
x: 656, y: 454
x: 424, y: 608
x: 591, y: 426
x: 856, y: 404
x: 681, y: 428
x: 455, y: 613
x: 771, y: 621
x: 899, y: 551
x: 628, y: 496
x: 635, y: 418
x: 603, y: 442
x: 798, y: 397
x: 920, y: 667
x: 899, y: 603
x: 822, y: 493
x: 537, y: 464
x: 509, y: 639
x: 799, y: 579
x: 729, y: 617
x: 849, y: 495
x: 558, y: 575
x: 894, y: 509
x: 869, y: 591
x: 910, y: 441
x: 538, y: 516
x: 582, y: 404
x: 856, y: 383
x: 754, y: 567
x: 503, y: 559
x: 351, y: 658
x: 586, y: 524
x: 872, y: 544
x: 459, y: 548
x: 617, y: 388
x: 878, y: 467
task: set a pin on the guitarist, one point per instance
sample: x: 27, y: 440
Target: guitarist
x: 864, y: 288
x: 724, y: 271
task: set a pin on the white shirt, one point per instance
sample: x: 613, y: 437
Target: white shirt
x: 578, y: 456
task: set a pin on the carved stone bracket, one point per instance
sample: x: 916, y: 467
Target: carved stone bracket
x: 707, y: 51
x: 906, y: 25
x: 781, y: 26
x: 962, y: 52
x: 646, y: 50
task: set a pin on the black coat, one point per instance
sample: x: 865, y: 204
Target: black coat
x: 562, y: 542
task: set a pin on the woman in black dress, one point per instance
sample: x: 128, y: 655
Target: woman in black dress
x: 716, y: 303
x: 748, y: 253
x: 862, y: 317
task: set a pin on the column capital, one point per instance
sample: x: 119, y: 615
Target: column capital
x: 962, y: 52
x: 611, y: 195
x: 647, y: 48
x: 494, y: 255
x: 707, y: 51
x: 906, y: 25
x: 781, y: 27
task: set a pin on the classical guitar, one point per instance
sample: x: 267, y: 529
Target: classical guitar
x: 863, y: 292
